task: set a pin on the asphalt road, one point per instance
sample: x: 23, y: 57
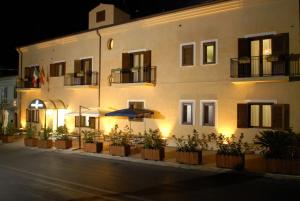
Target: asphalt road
x: 38, y: 175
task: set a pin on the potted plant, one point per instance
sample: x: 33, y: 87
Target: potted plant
x: 30, y: 140
x: 44, y: 142
x: 90, y: 144
x: 231, y: 151
x: 62, y: 140
x: 281, y: 151
x: 154, y: 146
x: 120, y: 141
x: 9, y: 134
x: 189, y: 151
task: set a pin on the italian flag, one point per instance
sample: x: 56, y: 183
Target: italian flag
x: 35, y: 76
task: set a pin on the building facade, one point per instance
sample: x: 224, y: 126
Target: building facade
x: 226, y: 67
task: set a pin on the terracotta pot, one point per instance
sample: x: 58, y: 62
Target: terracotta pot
x: 30, y: 142
x: 283, y: 166
x: 153, y: 154
x: 116, y: 150
x: 45, y: 144
x: 8, y: 138
x: 63, y: 144
x: 190, y: 158
x: 230, y: 161
x: 95, y: 147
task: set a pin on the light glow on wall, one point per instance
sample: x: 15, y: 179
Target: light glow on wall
x: 227, y: 131
x: 108, y: 123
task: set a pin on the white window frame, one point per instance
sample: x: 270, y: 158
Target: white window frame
x: 193, y: 112
x: 194, y: 54
x: 202, y: 102
x: 201, y: 51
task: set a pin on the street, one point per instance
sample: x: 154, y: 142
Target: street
x: 28, y: 174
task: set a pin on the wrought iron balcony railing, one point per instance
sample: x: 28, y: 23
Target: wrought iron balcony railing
x: 75, y: 79
x: 27, y: 83
x: 133, y: 75
x: 264, y: 66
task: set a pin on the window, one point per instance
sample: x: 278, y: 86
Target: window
x: 57, y: 69
x: 100, y: 16
x: 209, y: 52
x: 208, y: 113
x: 3, y: 93
x: 261, y: 115
x: 32, y: 116
x: 136, y: 105
x: 85, y: 122
x: 187, y: 54
x: 187, y: 112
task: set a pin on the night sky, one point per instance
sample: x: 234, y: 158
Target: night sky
x: 25, y: 22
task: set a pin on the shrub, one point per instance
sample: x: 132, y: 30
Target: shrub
x: 193, y: 142
x: 30, y: 132
x: 153, y: 139
x: 61, y: 133
x: 229, y: 145
x: 10, y: 129
x: 46, y: 133
x: 279, y: 144
x: 89, y: 136
x: 119, y: 137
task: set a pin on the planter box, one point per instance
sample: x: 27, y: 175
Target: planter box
x: 153, y: 154
x: 119, y: 150
x: 45, y: 144
x: 229, y: 161
x: 283, y: 166
x: 96, y: 147
x: 30, y: 142
x: 63, y: 144
x: 190, y: 158
x: 8, y: 138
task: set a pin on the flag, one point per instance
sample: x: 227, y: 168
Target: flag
x: 35, y: 76
x: 42, y: 76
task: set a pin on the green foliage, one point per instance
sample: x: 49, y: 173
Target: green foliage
x: 61, y: 133
x: 10, y: 129
x: 89, y: 136
x: 30, y: 131
x: 193, y: 142
x: 229, y: 145
x: 153, y: 139
x: 45, y: 134
x: 279, y: 144
x: 120, y: 137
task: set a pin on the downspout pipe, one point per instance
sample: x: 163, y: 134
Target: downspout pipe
x: 20, y: 75
x: 99, y: 75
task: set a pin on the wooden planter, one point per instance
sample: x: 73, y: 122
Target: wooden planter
x: 8, y: 138
x: 229, y: 161
x: 283, y: 166
x: 30, y: 142
x: 190, y: 158
x: 63, y: 144
x: 45, y: 144
x: 116, y: 150
x: 95, y: 147
x: 153, y: 154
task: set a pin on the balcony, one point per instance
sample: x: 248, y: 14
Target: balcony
x: 265, y: 68
x: 87, y: 79
x: 133, y: 76
x: 27, y: 85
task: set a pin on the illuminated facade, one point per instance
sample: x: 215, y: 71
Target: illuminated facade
x: 228, y: 67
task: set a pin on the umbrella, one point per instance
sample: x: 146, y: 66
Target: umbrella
x: 130, y: 113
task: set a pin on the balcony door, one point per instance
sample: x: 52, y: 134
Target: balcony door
x: 260, y: 50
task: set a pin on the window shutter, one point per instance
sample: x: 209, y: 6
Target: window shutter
x: 52, y: 70
x: 27, y: 115
x: 92, y: 122
x: 242, y: 115
x: 63, y: 68
x: 280, y: 116
x: 280, y: 44
x: 147, y: 58
x: 77, y: 121
x: 244, y: 52
x: 77, y: 66
x: 126, y: 60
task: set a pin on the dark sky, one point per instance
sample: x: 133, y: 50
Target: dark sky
x: 27, y: 21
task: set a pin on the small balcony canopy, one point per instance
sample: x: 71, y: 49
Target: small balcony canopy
x: 130, y: 112
x: 37, y: 104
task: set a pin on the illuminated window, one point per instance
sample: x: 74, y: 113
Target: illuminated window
x: 209, y: 52
x: 32, y: 116
x: 187, y: 112
x: 260, y: 115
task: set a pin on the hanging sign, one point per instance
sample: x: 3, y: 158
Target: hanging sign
x: 37, y: 104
